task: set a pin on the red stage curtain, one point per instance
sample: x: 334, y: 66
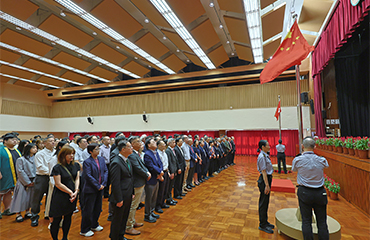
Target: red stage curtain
x: 319, y: 122
x: 343, y: 22
x: 247, y: 141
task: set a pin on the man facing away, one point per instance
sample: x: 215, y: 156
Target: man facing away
x: 311, y: 193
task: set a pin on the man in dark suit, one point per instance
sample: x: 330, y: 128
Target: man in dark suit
x: 113, y: 153
x: 174, y: 169
x: 122, y: 190
x: 155, y: 167
x: 180, y: 177
x: 141, y: 175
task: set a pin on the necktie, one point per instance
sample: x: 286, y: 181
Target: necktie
x: 128, y: 164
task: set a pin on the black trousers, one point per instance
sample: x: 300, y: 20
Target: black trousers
x: 54, y: 228
x: 281, y: 159
x: 316, y: 199
x: 263, y: 202
x: 190, y: 175
x: 162, y: 190
x: 106, y: 189
x: 91, y: 211
x: 171, y: 183
x: 179, y: 180
x: 41, y: 187
x: 119, y: 219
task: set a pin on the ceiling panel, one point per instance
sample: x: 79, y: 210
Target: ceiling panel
x: 195, y: 60
x: 177, y: 40
x: 187, y: 11
x: 108, y: 53
x: 20, y: 41
x: 244, y: 53
x: 75, y: 77
x: 16, y: 72
x: 231, y: 6
x: 21, y: 9
x: 238, y: 29
x: 72, y: 61
x: 205, y: 35
x: 103, y: 73
x: 218, y: 56
x: 51, y: 81
x: 110, y: 13
x: 175, y: 63
x: 272, y: 23
x: 151, y: 13
x: 136, y: 68
x: 270, y: 49
x: 8, y: 56
x: 152, y: 45
x: 41, y: 66
x: 309, y: 38
x: 63, y: 30
x: 312, y: 17
x: 27, y: 84
x: 265, y: 3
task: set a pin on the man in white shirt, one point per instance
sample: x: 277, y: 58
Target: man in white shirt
x: 105, y: 153
x: 82, y: 145
x: 186, y: 150
x: 163, y: 186
x: 41, y: 161
x: 74, y: 141
x: 85, y: 154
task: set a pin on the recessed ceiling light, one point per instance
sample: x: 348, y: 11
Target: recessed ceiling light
x: 146, y: 20
x: 62, y: 14
x: 53, y: 43
x: 100, y: 64
x: 227, y: 42
x: 164, y: 38
x: 232, y: 53
x: 149, y: 66
x: 177, y: 50
x: 117, y: 47
x: 135, y: 57
x: 94, y: 33
x: 221, y: 27
x: 18, y: 28
x: 79, y: 55
x: 211, y: 4
x: 188, y: 60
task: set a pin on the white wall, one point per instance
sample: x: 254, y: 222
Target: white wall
x: 256, y: 118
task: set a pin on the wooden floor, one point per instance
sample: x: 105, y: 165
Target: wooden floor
x: 224, y: 207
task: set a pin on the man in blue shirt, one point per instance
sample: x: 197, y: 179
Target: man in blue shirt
x: 311, y: 193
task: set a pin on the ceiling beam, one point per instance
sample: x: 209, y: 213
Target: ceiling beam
x: 194, y: 24
x: 243, y: 44
x: 140, y: 17
x: 240, y: 16
x: 220, y: 27
x: 272, y: 7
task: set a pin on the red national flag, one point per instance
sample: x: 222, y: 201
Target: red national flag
x: 291, y: 52
x: 278, y: 111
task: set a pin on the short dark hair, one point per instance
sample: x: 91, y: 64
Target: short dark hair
x: 122, y: 144
x: 118, y: 139
x: 91, y: 147
x: 59, y: 147
x: 76, y: 135
x: 147, y: 142
x: 280, y: 141
x: 89, y: 138
x: 262, y: 143
x: 79, y: 140
x: 178, y: 140
x: 133, y: 138
x: 118, y: 133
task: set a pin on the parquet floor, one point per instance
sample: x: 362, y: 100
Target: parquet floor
x: 224, y: 207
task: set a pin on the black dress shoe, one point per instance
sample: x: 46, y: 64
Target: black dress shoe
x: 173, y: 201
x: 183, y: 194
x: 206, y: 178
x: 35, y: 221
x: 266, y: 229
x: 165, y: 206
x: 154, y: 215
x: 109, y: 218
x: 158, y: 210
x: 192, y: 185
x: 211, y: 176
x: 270, y: 225
x: 124, y: 238
x: 201, y: 180
x: 178, y: 197
x: 150, y: 219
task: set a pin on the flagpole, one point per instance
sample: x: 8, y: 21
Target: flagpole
x: 299, y: 108
x: 279, y: 120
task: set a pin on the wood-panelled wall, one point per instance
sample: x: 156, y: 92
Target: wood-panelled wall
x: 239, y: 97
x: 13, y: 107
x: 353, y: 175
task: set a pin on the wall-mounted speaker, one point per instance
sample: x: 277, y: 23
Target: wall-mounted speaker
x: 304, y: 97
x: 312, y: 107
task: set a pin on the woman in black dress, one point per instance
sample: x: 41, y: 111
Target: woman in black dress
x: 63, y: 202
